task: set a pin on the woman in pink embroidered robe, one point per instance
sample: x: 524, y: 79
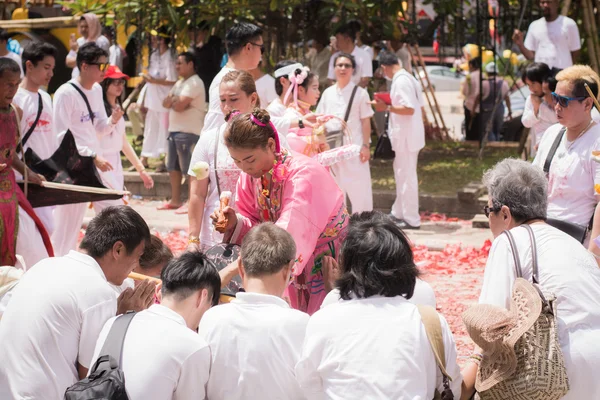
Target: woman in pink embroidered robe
x: 298, y: 195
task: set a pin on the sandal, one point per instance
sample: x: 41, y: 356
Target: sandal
x: 167, y: 206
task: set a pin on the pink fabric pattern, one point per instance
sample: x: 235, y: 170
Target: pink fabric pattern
x: 303, y: 199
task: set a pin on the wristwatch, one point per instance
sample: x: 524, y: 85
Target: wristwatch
x: 94, y: 155
x: 366, y: 146
x: 300, y: 123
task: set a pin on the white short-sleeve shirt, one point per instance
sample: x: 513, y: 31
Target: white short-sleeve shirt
x: 573, y: 174
x: 553, y: 41
x: 407, y: 132
x: 364, y: 65
x: 335, y: 100
x: 265, y: 87
x: 255, y: 343
x: 51, y: 324
x: 43, y: 138
x: 545, y: 118
x: 162, y: 358
x: 214, y: 117
x: 276, y: 108
x: 374, y: 348
x: 570, y: 272
x: 191, y: 119
x: 162, y: 66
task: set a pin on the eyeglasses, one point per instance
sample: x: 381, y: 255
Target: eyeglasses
x: 487, y: 210
x: 563, y: 101
x: 118, y: 82
x: 262, y: 47
x: 348, y: 66
x: 101, y: 66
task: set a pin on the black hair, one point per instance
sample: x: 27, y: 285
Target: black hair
x: 475, y: 63
x: 388, y: 58
x: 349, y: 57
x: 551, y: 79
x: 107, y: 106
x: 10, y: 65
x: 537, y: 72
x: 115, y: 224
x: 376, y: 259
x: 267, y: 249
x: 188, y: 273
x: 36, y: 51
x: 90, y: 53
x: 309, y: 77
x: 355, y: 25
x: 190, y: 57
x: 346, y: 30
x: 203, y: 25
x: 239, y: 35
x: 278, y: 85
x: 4, y: 36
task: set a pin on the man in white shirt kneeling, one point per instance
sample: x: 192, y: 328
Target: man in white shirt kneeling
x: 256, y: 339
x: 57, y: 310
x: 163, y: 356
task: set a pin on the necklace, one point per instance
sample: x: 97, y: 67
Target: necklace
x: 581, y: 134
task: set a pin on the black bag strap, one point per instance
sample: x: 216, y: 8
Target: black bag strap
x: 350, y: 103
x: 37, y: 119
x: 553, y: 149
x: 113, y: 345
x: 87, y: 103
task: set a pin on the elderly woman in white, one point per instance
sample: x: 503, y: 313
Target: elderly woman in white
x: 517, y: 196
x: 573, y: 173
x: 372, y: 344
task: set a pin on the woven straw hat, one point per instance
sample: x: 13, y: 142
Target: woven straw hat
x: 496, y: 330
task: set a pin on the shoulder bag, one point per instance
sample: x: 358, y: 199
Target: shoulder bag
x: 335, y: 139
x: 87, y: 103
x: 540, y: 373
x: 106, y: 379
x: 574, y: 230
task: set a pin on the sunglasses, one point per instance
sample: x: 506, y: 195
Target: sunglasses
x: 348, y: 66
x: 262, y: 47
x: 101, y: 66
x: 487, y: 210
x: 563, y: 101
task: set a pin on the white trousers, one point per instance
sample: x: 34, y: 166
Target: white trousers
x: 406, y: 206
x: 156, y: 131
x: 68, y: 219
x: 354, y: 178
x: 30, y: 244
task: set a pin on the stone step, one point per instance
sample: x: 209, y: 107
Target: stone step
x: 480, y: 221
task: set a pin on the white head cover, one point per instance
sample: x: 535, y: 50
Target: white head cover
x: 288, y: 69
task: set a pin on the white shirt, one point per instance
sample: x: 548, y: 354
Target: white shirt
x: 214, y: 117
x: 255, y: 343
x: 334, y: 101
x: 162, y: 66
x: 101, y: 42
x: 115, y: 56
x: 16, y: 58
x: 364, y: 65
x: 373, y: 348
x: 407, y: 132
x: 423, y: 294
x: 573, y: 174
x: 545, y: 118
x: 265, y: 87
x: 70, y: 112
x: 59, y: 306
x: 276, y: 108
x: 369, y: 50
x: 191, y: 119
x: 553, y: 41
x: 568, y: 270
x: 43, y: 138
x: 162, y: 358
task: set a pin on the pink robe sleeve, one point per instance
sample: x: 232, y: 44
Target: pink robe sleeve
x: 310, y: 198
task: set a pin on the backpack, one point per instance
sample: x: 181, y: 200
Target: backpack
x: 106, y: 380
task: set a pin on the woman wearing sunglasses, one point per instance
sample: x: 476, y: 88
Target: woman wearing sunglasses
x: 113, y: 143
x: 565, y: 151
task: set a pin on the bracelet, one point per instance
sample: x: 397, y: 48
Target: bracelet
x: 194, y: 239
x: 476, y: 358
x: 366, y: 146
x: 300, y: 123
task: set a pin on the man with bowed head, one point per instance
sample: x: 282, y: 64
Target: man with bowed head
x: 62, y: 303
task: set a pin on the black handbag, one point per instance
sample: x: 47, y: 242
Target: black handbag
x: 383, y: 149
x: 574, y: 230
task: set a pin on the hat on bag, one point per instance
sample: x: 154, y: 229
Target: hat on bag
x: 491, y: 68
x: 496, y: 330
x: 113, y: 72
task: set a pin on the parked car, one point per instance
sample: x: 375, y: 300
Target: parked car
x: 443, y: 78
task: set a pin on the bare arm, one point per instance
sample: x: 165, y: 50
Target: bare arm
x: 364, y: 82
x: 83, y: 371
x: 71, y: 61
x: 575, y: 56
x: 594, y: 234
x: 181, y: 103
x: 507, y: 100
x: 198, y: 193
